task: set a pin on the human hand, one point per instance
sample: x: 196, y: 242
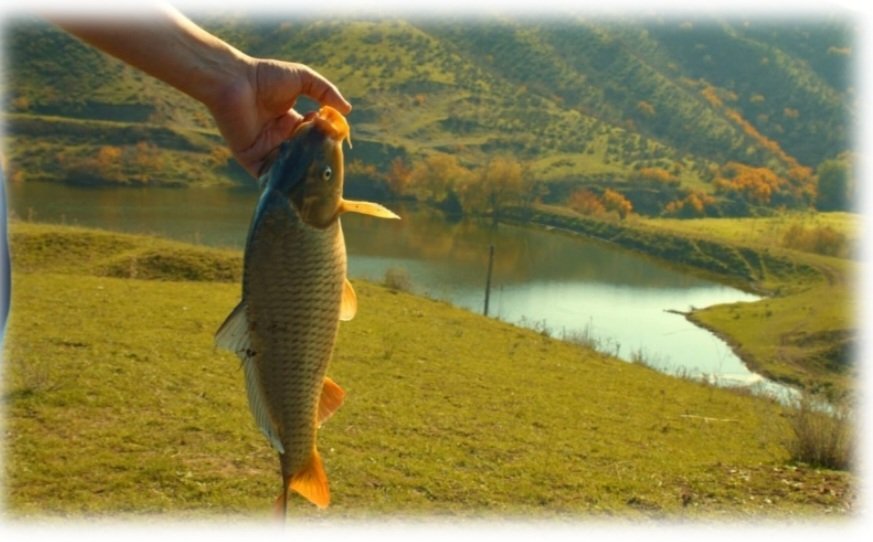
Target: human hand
x: 255, y: 112
x: 251, y: 99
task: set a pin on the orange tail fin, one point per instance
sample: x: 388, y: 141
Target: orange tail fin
x: 311, y: 482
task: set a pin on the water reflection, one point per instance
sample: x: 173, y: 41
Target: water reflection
x: 521, y: 254
x: 567, y: 284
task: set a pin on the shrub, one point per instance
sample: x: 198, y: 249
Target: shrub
x: 822, y: 435
x: 398, y: 279
x: 586, y: 202
x: 820, y: 240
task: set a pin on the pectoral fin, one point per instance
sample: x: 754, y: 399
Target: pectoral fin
x: 331, y: 399
x: 367, y: 208
x: 349, y: 304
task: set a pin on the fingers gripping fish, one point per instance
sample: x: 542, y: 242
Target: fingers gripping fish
x: 294, y: 294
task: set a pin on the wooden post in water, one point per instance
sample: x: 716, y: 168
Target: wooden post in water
x: 488, y: 278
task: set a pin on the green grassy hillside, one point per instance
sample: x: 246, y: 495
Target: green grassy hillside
x: 117, y: 404
x: 579, y: 100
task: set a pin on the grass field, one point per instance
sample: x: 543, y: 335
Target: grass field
x: 117, y: 405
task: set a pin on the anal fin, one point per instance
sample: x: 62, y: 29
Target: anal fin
x: 331, y: 399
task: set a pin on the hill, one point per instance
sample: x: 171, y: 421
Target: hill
x: 117, y: 405
x: 578, y: 100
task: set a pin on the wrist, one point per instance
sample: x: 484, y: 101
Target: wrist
x: 227, y: 77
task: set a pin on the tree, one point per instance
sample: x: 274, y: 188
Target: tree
x: 108, y: 162
x: 586, y: 202
x: 434, y: 177
x: 755, y: 184
x: 615, y: 201
x: 694, y: 204
x: 836, y: 186
x: 500, y: 183
x: 399, y: 176
x: 657, y: 174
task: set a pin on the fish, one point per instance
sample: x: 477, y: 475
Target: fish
x: 295, y: 292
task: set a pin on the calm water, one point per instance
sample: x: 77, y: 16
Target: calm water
x: 566, y: 284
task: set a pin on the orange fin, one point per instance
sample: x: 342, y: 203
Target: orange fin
x: 331, y: 399
x: 366, y: 208
x: 311, y: 482
x: 349, y: 304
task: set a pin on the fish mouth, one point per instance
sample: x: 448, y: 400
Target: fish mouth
x: 330, y: 121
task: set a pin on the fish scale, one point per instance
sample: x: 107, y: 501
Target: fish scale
x: 298, y: 291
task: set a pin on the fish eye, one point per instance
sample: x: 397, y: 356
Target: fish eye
x: 327, y: 173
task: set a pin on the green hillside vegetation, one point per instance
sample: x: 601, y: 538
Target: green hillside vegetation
x: 98, y: 152
x: 578, y: 102
x: 118, y: 405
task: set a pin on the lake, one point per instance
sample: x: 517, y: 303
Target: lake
x: 565, y: 285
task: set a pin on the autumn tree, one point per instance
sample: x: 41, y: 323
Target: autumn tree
x: 145, y: 159
x: 108, y: 162
x: 695, y: 204
x: 656, y: 174
x: 497, y: 185
x: 754, y: 184
x: 220, y: 154
x: 399, y: 176
x: 438, y: 175
x: 586, y: 202
x: 615, y: 201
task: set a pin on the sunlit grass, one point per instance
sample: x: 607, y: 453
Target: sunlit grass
x: 768, y: 231
x: 117, y: 404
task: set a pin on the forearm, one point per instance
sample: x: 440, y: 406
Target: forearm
x: 171, y: 48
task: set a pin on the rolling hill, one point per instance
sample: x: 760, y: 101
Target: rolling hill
x: 580, y: 100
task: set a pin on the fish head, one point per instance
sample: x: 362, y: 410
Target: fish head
x: 308, y: 167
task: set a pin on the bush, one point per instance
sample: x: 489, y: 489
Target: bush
x: 822, y: 435
x: 398, y: 279
x: 820, y: 240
